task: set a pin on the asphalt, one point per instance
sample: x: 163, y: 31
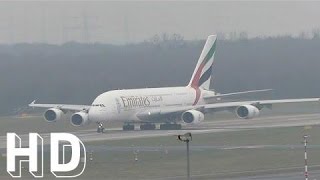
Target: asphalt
x: 298, y: 175
x: 202, y: 128
x: 214, y: 126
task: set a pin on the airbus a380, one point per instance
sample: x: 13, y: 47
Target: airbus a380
x: 169, y: 106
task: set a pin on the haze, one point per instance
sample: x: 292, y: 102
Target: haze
x: 128, y: 22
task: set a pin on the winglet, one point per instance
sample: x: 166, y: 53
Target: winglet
x: 32, y: 103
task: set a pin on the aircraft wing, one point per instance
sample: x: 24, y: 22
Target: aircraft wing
x: 66, y: 107
x: 261, y: 103
x: 167, y: 111
x: 235, y: 93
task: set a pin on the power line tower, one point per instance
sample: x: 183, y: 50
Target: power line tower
x: 126, y: 29
x: 85, y: 22
x: 82, y: 24
x: 89, y: 24
x: 8, y: 29
x: 66, y: 31
x: 44, y: 24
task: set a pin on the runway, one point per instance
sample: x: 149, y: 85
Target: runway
x: 314, y: 175
x: 275, y: 174
x: 213, y: 126
x: 209, y: 126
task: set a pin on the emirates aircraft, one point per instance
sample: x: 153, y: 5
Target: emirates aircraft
x: 168, y: 106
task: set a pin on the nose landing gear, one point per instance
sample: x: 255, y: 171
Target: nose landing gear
x: 100, y: 128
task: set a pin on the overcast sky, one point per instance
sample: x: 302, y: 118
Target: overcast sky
x: 121, y: 22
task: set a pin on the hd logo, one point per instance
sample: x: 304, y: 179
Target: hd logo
x: 61, y: 166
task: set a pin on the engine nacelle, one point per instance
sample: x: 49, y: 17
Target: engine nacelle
x: 192, y: 116
x: 247, y: 112
x: 53, y: 114
x: 79, y: 119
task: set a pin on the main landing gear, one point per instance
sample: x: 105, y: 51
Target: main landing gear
x: 128, y: 127
x: 169, y: 126
x: 152, y: 126
x: 144, y: 126
x: 100, y: 128
x: 148, y: 126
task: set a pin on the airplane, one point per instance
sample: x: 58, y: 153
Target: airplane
x: 169, y: 106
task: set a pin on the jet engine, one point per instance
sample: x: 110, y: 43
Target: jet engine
x: 247, y: 112
x: 192, y: 116
x: 79, y: 119
x: 53, y: 114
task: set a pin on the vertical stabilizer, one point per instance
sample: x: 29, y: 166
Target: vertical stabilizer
x: 202, y: 73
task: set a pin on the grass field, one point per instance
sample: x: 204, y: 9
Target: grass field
x: 213, y: 155
x: 216, y: 154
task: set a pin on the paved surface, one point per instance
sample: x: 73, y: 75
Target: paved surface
x: 298, y: 175
x: 204, y: 127
x: 293, y: 173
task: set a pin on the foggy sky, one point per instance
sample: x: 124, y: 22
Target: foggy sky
x: 122, y: 22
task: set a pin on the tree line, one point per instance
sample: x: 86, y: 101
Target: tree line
x: 76, y: 73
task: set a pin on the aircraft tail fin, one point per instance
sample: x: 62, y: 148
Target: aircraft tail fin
x: 202, y: 74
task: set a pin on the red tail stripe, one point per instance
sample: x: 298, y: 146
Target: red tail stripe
x: 198, y: 93
x: 196, y: 78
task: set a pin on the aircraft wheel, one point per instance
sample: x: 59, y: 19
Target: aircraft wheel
x: 100, y: 130
x: 168, y: 126
x: 128, y: 127
x: 147, y: 126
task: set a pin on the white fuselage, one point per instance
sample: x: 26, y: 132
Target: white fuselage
x: 123, y: 105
